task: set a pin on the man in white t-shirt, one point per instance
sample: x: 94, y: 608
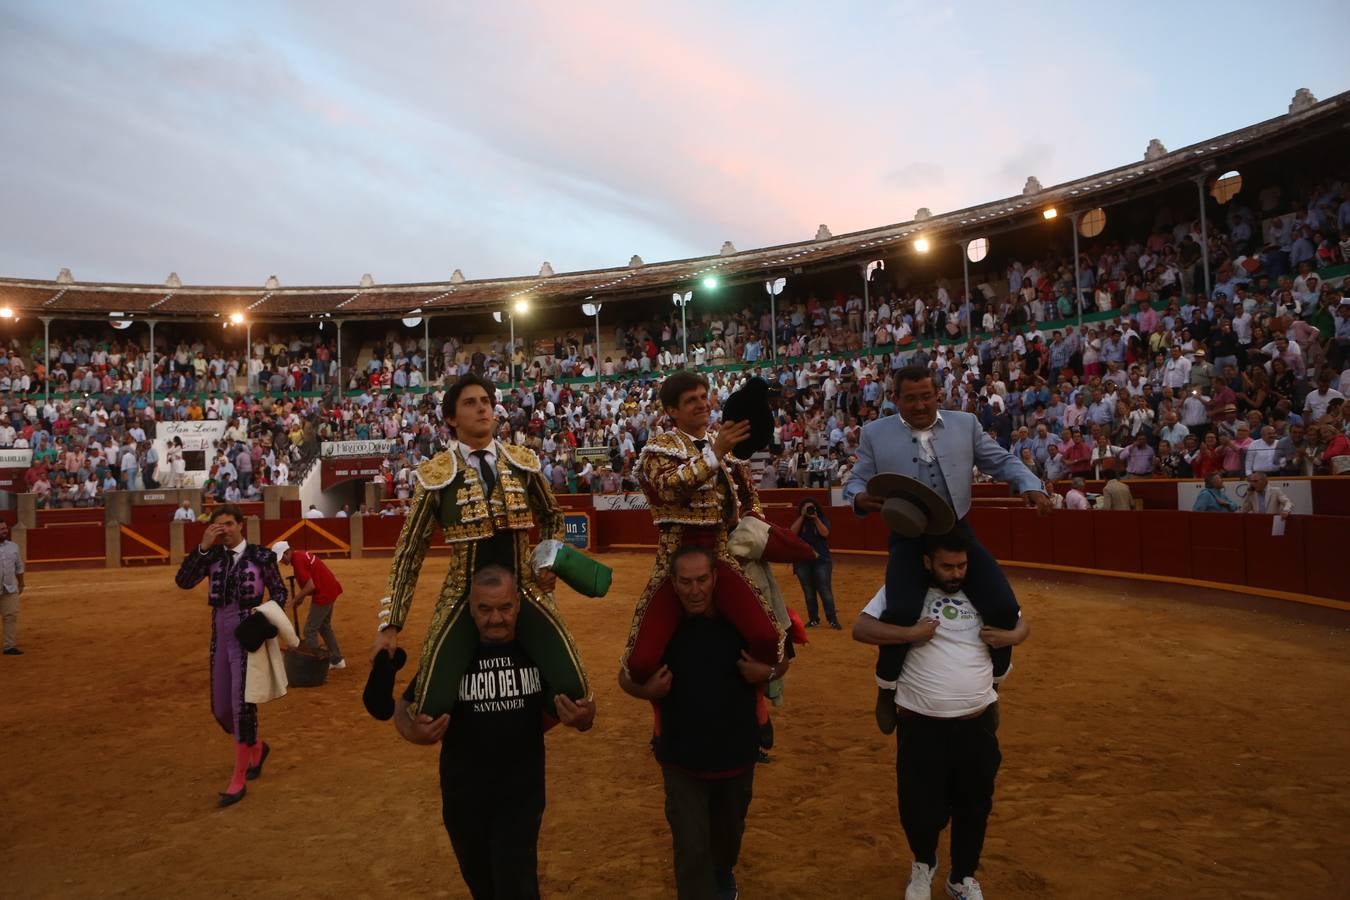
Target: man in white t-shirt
x: 947, y: 751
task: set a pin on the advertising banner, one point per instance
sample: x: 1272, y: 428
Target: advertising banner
x: 620, y: 501
x: 199, y: 447
x: 577, y: 530
x: 336, y: 449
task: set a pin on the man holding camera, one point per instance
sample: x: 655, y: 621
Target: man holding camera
x: 815, y: 576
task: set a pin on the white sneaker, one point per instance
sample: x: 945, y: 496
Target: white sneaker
x: 920, y: 882
x: 340, y: 664
x: 968, y: 889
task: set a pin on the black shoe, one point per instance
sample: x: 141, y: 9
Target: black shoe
x: 764, y: 757
x: 726, y: 886
x: 253, y: 772
x: 813, y: 623
x: 886, y: 719
x: 836, y: 626
x: 232, y: 799
x: 14, y: 651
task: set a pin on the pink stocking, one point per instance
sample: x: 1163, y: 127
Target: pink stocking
x: 242, y: 753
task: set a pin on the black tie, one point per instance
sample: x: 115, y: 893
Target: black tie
x: 700, y: 444
x: 485, y: 469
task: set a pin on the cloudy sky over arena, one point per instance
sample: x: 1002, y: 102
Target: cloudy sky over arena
x: 321, y: 140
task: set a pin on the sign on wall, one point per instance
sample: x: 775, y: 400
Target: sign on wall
x: 199, y: 447
x: 334, y: 449
x: 1299, y: 492
x: 620, y: 501
x: 577, y: 530
x: 597, y: 455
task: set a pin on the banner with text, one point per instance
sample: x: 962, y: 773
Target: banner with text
x: 335, y: 449
x: 620, y: 501
x: 199, y: 441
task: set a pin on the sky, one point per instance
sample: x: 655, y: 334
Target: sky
x: 317, y: 141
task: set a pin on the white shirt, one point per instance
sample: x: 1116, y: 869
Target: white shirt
x: 490, y: 455
x: 925, y: 438
x: 313, y: 513
x: 709, y: 456
x: 1316, y: 403
x: 1260, y: 457
x: 950, y: 675
x: 184, y: 515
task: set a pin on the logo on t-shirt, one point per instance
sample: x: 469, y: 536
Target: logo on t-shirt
x: 498, y: 684
x: 953, y: 611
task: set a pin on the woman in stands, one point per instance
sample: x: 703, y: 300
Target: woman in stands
x: 1208, y: 459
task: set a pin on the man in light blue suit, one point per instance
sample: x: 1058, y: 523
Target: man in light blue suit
x: 942, y: 450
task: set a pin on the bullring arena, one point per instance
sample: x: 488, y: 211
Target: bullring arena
x: 1174, y: 728
x: 1157, y: 743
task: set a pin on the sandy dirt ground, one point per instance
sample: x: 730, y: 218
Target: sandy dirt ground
x: 1152, y: 748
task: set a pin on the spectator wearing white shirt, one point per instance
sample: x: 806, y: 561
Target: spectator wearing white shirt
x: 1315, y: 406
x: 1261, y: 455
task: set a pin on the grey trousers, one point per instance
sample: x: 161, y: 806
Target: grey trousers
x: 9, y: 610
x: 707, y: 820
x: 318, y: 623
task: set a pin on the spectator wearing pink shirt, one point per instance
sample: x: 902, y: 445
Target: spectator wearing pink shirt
x: 1076, y: 498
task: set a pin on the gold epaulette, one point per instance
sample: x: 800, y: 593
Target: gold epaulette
x: 668, y: 444
x: 438, y: 471
x: 521, y: 457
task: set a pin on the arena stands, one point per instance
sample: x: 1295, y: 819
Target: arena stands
x: 1177, y: 349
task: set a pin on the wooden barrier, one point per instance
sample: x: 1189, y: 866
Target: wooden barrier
x: 1218, y: 550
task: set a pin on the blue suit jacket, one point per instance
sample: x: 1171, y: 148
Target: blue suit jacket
x: 888, y: 445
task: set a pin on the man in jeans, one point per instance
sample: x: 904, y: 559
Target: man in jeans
x: 314, y: 579
x: 813, y: 528
x: 708, y: 734
x: 11, y: 586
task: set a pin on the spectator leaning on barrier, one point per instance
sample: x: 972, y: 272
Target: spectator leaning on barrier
x: 1212, y: 497
x: 1265, y: 500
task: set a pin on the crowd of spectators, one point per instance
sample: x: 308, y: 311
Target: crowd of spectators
x: 1164, y: 379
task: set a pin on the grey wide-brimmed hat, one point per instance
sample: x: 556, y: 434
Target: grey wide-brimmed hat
x: 910, y: 507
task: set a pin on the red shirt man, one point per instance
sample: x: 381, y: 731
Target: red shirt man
x: 315, y: 580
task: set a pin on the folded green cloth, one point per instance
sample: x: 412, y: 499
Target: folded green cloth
x: 576, y: 570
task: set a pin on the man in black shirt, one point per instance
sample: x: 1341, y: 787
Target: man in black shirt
x: 707, y: 734
x: 492, y: 748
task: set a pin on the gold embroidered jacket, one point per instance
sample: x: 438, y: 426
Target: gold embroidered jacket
x: 449, y: 493
x: 683, y: 489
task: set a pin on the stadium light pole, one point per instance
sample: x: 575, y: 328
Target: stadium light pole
x: 1204, y: 231
x: 682, y: 300
x: 1077, y: 286
x: 867, y: 270
x: 965, y: 274
x: 341, y: 389
x: 46, y: 352
x: 774, y: 286
x: 152, y: 323
x: 519, y: 307
x: 591, y: 308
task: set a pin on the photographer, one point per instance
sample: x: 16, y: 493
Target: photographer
x: 813, y: 528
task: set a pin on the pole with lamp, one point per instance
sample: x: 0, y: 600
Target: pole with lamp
x: 965, y: 274
x: 591, y: 308
x: 682, y: 300
x: 774, y: 287
x: 1204, y: 230
x: 520, y: 307
x: 867, y: 270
